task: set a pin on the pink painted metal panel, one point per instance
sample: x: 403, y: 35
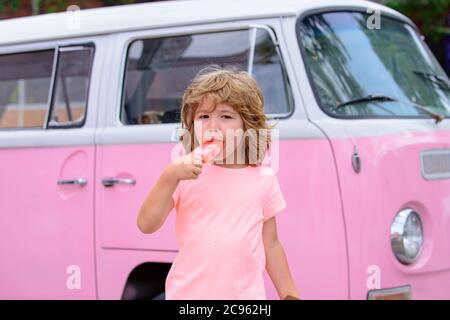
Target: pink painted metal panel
x: 46, y: 230
x: 391, y: 179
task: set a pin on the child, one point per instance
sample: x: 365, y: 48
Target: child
x: 225, y: 220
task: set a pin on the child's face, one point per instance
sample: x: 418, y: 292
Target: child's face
x: 224, y: 123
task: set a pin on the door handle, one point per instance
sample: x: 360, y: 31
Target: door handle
x: 80, y: 181
x: 109, y: 182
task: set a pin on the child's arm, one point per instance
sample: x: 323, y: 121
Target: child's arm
x: 159, y: 202
x: 276, y: 262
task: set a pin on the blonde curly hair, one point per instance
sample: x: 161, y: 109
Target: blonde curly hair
x: 240, y: 91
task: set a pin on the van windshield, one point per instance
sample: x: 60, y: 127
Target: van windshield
x: 349, y: 56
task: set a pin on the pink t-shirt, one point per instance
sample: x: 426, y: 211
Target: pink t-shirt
x: 219, y: 224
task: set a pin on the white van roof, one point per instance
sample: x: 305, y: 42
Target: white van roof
x: 158, y: 14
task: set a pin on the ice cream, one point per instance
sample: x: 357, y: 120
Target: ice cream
x: 209, y: 150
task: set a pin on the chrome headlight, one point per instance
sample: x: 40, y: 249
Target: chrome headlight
x: 406, y: 236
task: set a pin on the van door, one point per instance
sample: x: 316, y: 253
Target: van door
x: 140, y: 133
x: 380, y: 95
x: 142, y: 129
x: 47, y: 125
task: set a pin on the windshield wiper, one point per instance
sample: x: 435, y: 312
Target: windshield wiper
x: 368, y: 98
x: 383, y: 98
x: 439, y: 80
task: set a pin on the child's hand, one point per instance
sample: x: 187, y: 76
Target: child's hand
x: 186, y: 167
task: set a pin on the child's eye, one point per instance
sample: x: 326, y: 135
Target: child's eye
x: 205, y: 116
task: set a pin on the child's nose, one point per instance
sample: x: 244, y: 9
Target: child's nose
x: 213, y: 131
x: 212, y: 124
x: 210, y: 133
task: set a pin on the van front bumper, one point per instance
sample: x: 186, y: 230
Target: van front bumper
x: 397, y: 293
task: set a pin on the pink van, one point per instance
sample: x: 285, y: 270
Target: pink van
x: 89, y: 116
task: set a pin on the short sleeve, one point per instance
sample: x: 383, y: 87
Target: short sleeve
x: 274, y: 201
x: 176, y: 195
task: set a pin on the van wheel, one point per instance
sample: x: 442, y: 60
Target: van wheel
x: 146, y: 282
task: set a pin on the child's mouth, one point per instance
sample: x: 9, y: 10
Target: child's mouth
x: 214, y: 140
x: 216, y: 143
x: 210, y: 149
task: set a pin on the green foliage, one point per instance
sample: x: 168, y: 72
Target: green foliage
x: 55, y: 5
x: 12, y: 4
x: 429, y: 15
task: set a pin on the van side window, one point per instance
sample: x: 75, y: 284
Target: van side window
x: 24, y: 88
x: 36, y: 84
x: 158, y: 70
x: 71, y: 86
x: 267, y: 69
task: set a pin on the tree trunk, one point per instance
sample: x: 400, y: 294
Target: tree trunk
x: 35, y: 7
